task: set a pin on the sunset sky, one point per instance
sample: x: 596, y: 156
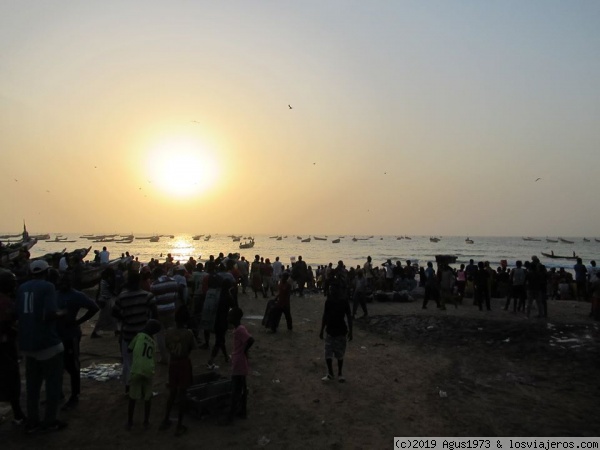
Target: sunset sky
x: 407, y: 117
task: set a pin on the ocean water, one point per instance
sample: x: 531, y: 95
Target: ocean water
x: 353, y: 253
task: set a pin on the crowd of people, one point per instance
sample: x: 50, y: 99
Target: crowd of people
x: 177, y: 307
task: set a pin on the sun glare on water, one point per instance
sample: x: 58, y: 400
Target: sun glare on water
x: 182, y: 168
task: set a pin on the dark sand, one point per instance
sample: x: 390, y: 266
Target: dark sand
x: 410, y: 372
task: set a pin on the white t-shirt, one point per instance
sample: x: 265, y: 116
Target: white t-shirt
x: 277, y: 269
x: 63, y: 265
x: 593, y: 273
x: 104, y: 257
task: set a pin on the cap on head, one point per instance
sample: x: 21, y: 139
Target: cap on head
x: 38, y: 266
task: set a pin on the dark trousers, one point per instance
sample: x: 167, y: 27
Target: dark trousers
x: 37, y: 372
x: 72, y: 365
x: 239, y: 396
x: 359, y: 299
x: 518, y: 294
x: 431, y: 293
x: 286, y: 311
x: 482, y: 294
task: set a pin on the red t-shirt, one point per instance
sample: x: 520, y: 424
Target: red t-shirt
x: 239, y: 360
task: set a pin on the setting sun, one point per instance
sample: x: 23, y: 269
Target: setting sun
x: 181, y: 168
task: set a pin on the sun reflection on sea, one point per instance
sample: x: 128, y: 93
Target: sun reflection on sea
x: 181, y: 249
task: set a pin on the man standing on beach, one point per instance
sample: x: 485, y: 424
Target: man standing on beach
x: 368, y: 272
x: 43, y: 349
x: 338, y: 332
x: 299, y: 274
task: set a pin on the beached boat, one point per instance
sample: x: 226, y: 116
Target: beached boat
x: 434, y: 239
x: 273, y: 237
x: 278, y: 238
x: 564, y: 241
x: 197, y: 237
x: 399, y: 238
x: 155, y: 239
x: 317, y: 238
x: 12, y: 251
x: 298, y: 237
x: 554, y: 241
x: 81, y: 252
x: 305, y: 240
x: 236, y: 239
x: 91, y: 273
x: 248, y: 244
x: 531, y: 239
x: 207, y: 238
x: 468, y: 241
x: 553, y: 256
x: 335, y: 241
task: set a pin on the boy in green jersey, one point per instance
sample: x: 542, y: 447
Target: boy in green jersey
x: 142, y: 370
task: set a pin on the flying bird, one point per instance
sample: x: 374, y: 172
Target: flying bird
x: 290, y: 106
x: 538, y: 179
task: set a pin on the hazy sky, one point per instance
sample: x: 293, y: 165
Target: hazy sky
x: 408, y: 117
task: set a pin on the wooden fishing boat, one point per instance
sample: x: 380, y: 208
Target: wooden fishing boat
x: 278, y: 238
x: 305, y: 240
x: 531, y: 239
x: 41, y: 237
x: 155, y: 239
x: 91, y: 273
x: 553, y: 256
x: 469, y: 241
x: 554, y: 241
x: 236, y: 239
x: 564, y: 241
x: 597, y: 240
x: 434, y: 239
x: 248, y: 244
x: 60, y: 240
x: 317, y: 238
x: 399, y: 238
x: 12, y: 251
x: 197, y: 237
x: 335, y: 241
x: 586, y: 240
x: 409, y: 238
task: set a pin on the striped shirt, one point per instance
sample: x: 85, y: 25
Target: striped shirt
x: 166, y: 291
x: 134, y: 309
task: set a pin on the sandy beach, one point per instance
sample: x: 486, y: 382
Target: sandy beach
x: 410, y: 372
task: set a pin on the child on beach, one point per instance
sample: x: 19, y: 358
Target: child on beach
x: 180, y: 342
x: 242, y: 341
x: 142, y: 370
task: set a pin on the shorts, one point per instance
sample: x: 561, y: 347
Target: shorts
x: 180, y: 373
x: 140, y: 387
x: 335, y: 347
